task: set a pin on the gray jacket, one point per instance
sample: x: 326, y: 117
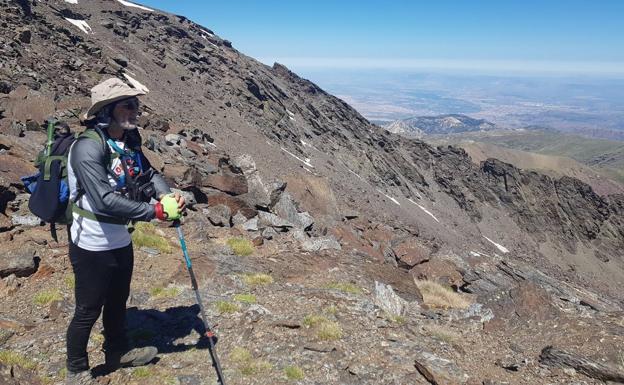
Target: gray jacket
x: 93, y: 189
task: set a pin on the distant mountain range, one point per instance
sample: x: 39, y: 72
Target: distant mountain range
x: 441, y: 124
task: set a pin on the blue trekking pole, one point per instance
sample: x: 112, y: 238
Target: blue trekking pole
x: 209, y: 333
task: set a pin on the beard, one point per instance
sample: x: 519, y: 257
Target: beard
x: 126, y: 124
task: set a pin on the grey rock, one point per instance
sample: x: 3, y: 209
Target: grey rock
x: 150, y: 251
x: 190, y: 380
x: 5, y: 335
x: 271, y: 220
x: 275, y: 191
x: 259, y: 193
x: 240, y: 219
x: 388, y: 300
x: 218, y: 215
x: 173, y: 139
x: 287, y: 209
x: 475, y: 310
x: 252, y: 224
x: 121, y: 60
x: 320, y: 243
x: 20, y: 262
x: 269, y: 233
x: 438, y: 370
x: 299, y: 235
x: 255, y: 312
x: 25, y: 220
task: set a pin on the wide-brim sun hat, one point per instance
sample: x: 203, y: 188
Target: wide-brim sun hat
x: 107, y: 92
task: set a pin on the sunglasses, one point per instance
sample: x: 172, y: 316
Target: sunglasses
x: 130, y: 104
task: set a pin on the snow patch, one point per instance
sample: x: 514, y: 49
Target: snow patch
x: 306, y: 161
x: 84, y: 27
x: 72, y: 1
x: 425, y: 210
x: 499, y: 247
x: 135, y: 83
x: 389, y: 197
x: 129, y: 4
x: 354, y: 173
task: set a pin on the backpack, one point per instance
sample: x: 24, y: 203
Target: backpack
x: 49, y: 187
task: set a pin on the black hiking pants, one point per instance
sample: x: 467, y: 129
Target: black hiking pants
x: 102, y: 282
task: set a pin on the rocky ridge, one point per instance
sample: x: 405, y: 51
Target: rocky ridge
x: 438, y: 125
x: 343, y: 216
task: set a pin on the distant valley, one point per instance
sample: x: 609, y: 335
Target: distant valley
x: 597, y: 162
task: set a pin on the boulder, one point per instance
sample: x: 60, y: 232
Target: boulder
x: 234, y: 203
x: 271, y: 220
x: 21, y: 262
x: 239, y: 219
x: 320, y: 243
x: 251, y: 225
x: 286, y: 208
x: 173, y: 139
x: 218, y: 215
x: 269, y: 233
x: 388, y: 300
x: 410, y: 253
x: 438, y: 370
x: 121, y: 60
x: 258, y: 193
x: 229, y: 183
x: 441, y: 271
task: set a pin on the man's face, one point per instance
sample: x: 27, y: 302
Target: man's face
x: 126, y: 112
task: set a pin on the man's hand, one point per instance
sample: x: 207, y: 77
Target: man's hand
x: 181, y: 202
x: 170, y: 207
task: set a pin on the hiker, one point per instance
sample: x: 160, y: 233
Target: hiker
x: 103, y: 177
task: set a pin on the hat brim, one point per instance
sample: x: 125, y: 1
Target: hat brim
x: 90, y: 114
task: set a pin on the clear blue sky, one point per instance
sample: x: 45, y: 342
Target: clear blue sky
x: 551, y: 34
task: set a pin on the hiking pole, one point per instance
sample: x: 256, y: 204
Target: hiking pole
x: 209, y: 333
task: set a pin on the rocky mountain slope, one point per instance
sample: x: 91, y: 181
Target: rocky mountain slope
x: 554, y: 166
x: 329, y: 250
x: 442, y: 124
x: 605, y: 156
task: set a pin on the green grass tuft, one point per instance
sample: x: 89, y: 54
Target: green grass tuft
x: 165, y: 292
x: 397, y: 319
x: 145, y: 235
x: 312, y: 320
x: 46, y: 297
x: 142, y: 372
x: 331, y: 310
x: 294, y: 373
x: 70, y: 282
x: 345, y: 287
x: 245, y: 298
x: 258, y: 279
x: 225, y: 307
x: 11, y: 358
x: 245, y: 362
x: 329, y: 331
x: 240, y: 246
